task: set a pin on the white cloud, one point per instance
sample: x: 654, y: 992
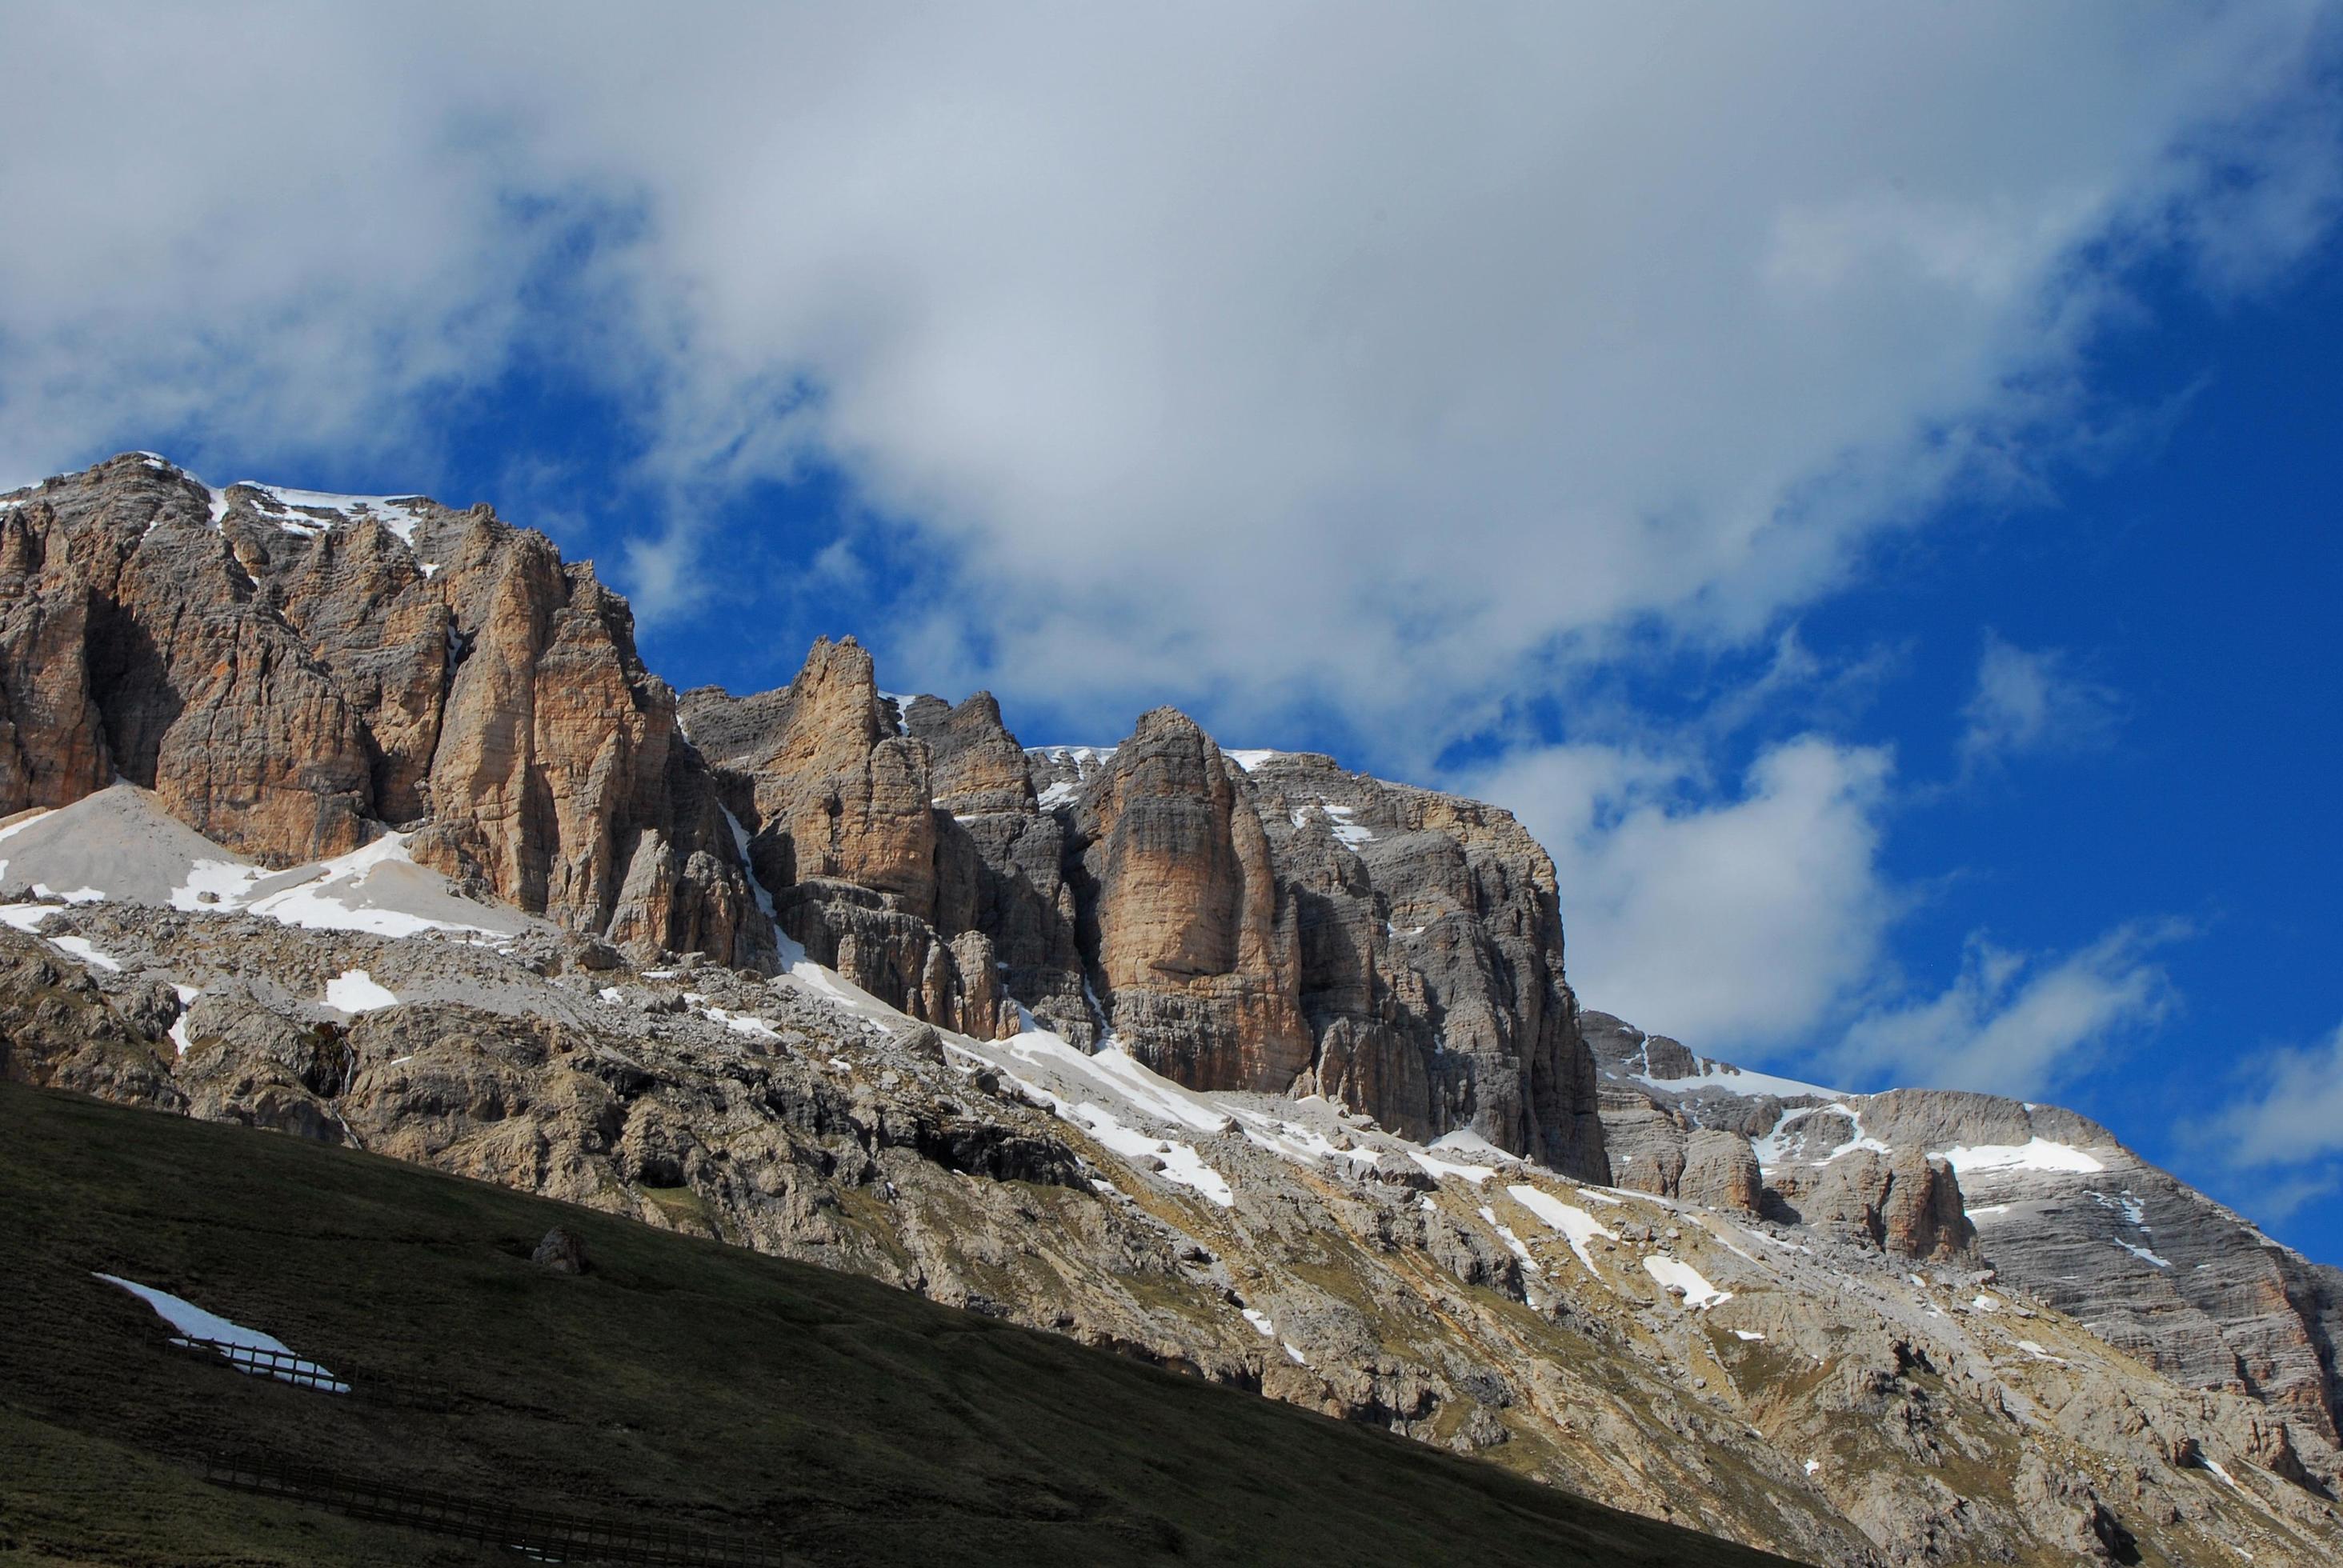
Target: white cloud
x: 1734, y: 919
x: 2294, y: 1112
x: 2029, y: 702
x: 2015, y: 1024
x: 1387, y: 349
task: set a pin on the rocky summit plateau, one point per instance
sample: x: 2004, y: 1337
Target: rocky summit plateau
x: 361, y: 820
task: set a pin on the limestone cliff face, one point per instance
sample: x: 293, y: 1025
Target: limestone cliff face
x: 286, y: 676
x: 1430, y: 944
x: 838, y: 808
x: 1274, y: 924
x: 1189, y: 937
x: 135, y: 647
x: 291, y: 671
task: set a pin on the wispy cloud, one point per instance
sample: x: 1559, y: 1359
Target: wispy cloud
x: 2015, y: 1024
x: 2275, y: 1134
x: 2031, y: 702
x: 2293, y: 1112
x: 1739, y: 916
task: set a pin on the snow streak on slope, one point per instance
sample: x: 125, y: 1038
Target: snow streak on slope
x: 195, y: 1323
x: 119, y: 845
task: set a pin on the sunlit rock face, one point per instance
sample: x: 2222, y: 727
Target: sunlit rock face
x: 1244, y: 921
x: 288, y: 672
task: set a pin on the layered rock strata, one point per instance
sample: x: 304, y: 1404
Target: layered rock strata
x: 2052, y: 1201
x: 290, y: 672
x: 1251, y: 921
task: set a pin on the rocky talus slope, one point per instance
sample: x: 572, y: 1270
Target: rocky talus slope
x: 1235, y: 1061
x: 2061, y: 1209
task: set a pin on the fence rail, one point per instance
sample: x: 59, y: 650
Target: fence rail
x: 261, y: 1361
x: 542, y: 1534
x: 303, y: 1372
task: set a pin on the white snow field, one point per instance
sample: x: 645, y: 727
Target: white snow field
x: 120, y: 845
x: 195, y: 1323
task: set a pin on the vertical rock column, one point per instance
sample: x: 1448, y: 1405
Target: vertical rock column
x: 1188, y: 936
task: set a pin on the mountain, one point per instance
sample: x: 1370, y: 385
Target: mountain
x: 360, y: 819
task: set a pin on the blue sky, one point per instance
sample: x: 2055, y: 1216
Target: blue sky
x: 1859, y: 484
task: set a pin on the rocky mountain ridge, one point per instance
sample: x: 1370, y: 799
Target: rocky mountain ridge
x: 1235, y: 1060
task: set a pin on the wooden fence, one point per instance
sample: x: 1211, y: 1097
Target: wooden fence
x: 298, y: 1370
x: 538, y: 1533
x: 303, y: 1372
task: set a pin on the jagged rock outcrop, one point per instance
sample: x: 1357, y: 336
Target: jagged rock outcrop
x: 867, y: 872
x: 1906, y: 1204
x: 1187, y: 932
x: 287, y: 671
x: 837, y: 793
x: 1272, y: 923
x: 2049, y: 1199
x: 1431, y: 949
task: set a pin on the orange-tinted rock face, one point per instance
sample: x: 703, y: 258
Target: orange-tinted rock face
x: 155, y: 662
x: 286, y: 674
x: 1190, y: 935
x: 53, y: 746
x: 839, y: 792
x: 284, y: 680
x: 844, y: 830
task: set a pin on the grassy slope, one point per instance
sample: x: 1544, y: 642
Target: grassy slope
x: 701, y: 1385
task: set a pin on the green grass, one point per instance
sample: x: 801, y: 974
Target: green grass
x: 680, y: 1382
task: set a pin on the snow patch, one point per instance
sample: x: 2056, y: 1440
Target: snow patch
x: 1475, y: 1174
x: 1341, y: 820
x: 1302, y: 1145
x: 80, y: 948
x: 355, y: 992
x: 195, y: 1323
x: 742, y: 1023
x: 294, y: 510
x: 1260, y: 1321
x: 1574, y: 1225
x: 748, y: 866
x: 1738, y: 1081
x: 2037, y: 1154
x: 1512, y: 1241
x: 178, y: 1030
x: 1698, y: 1293
x: 1774, y: 1149
x: 377, y: 889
